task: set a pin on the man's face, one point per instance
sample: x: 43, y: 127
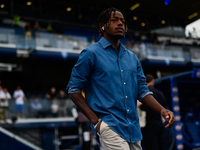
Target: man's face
x: 53, y: 90
x: 36, y: 99
x: 5, y: 90
x: 116, y: 29
x: 62, y: 93
x: 18, y: 87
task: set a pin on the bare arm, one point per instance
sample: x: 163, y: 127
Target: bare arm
x: 81, y: 103
x: 150, y: 101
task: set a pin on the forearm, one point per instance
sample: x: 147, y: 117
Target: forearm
x: 150, y: 101
x: 82, y: 104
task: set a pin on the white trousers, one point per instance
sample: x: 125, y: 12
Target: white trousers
x: 110, y: 140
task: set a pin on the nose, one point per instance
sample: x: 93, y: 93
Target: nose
x: 120, y: 22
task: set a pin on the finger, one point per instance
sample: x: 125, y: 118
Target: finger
x: 173, y: 121
x: 166, y: 117
x: 171, y: 117
x: 167, y: 126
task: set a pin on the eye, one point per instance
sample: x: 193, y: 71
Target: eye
x: 123, y: 21
x: 113, y: 20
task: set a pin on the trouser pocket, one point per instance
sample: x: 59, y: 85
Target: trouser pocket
x: 103, y: 127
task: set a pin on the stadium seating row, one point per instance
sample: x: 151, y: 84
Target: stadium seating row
x: 29, y: 112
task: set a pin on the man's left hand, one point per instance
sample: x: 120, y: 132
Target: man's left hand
x: 168, y: 116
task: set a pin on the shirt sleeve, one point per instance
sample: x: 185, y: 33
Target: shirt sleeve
x: 23, y: 94
x: 142, y: 85
x: 2, y: 95
x: 81, y: 72
x: 40, y: 105
x: 9, y: 96
x: 32, y: 105
x: 14, y: 94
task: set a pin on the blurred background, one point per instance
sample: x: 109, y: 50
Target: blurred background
x: 40, y: 41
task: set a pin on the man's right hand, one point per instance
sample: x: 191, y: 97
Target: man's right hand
x: 98, y: 127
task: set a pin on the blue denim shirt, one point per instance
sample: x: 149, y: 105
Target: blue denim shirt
x: 113, y: 82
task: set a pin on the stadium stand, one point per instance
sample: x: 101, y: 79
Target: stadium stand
x: 69, y: 44
x: 46, y: 60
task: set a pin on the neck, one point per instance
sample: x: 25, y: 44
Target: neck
x: 114, y: 42
x: 149, y: 84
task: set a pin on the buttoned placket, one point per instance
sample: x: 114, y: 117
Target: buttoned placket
x: 123, y: 84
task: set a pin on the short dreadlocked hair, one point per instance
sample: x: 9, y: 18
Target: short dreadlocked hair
x: 149, y: 78
x: 104, y: 18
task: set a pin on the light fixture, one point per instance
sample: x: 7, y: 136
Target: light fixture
x: 193, y: 15
x: 2, y: 5
x: 134, y: 17
x: 163, y: 21
x: 134, y: 6
x: 68, y: 9
x: 143, y: 24
x: 29, y: 3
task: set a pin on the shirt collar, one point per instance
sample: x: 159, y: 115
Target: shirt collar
x: 105, y: 43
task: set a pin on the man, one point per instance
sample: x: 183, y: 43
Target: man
x: 63, y: 103
x: 5, y: 97
x: 36, y: 108
x: 16, y: 20
x: 28, y: 29
x: 19, y: 100
x: 52, y: 94
x: 154, y: 129
x: 113, y: 80
x: 1, y: 110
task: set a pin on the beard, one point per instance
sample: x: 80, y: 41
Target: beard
x: 118, y: 36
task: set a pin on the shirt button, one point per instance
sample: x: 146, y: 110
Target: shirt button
x: 121, y: 70
x: 127, y: 109
x: 126, y: 96
x: 124, y: 82
x: 129, y: 122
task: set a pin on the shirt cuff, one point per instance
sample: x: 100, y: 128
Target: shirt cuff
x: 74, y: 90
x: 145, y: 94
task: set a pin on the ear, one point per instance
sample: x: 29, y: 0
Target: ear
x: 101, y: 27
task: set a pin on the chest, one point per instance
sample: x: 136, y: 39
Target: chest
x: 110, y: 63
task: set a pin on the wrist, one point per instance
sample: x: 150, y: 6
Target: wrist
x: 162, y: 111
x: 96, y: 123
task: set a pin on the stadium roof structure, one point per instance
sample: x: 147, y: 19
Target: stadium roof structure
x: 154, y: 13
x: 174, y: 8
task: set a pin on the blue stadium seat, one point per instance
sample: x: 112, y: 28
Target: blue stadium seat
x: 191, y: 131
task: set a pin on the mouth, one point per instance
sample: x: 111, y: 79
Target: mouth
x: 120, y: 29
